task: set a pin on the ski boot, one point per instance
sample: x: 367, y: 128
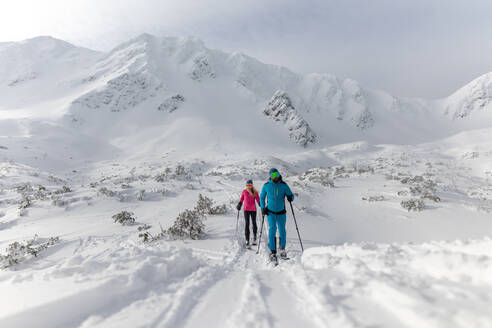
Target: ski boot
x: 247, y: 244
x: 283, y: 254
x: 273, y: 258
x: 254, y: 241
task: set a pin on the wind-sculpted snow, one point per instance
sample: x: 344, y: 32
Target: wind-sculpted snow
x: 280, y: 109
x: 421, y: 285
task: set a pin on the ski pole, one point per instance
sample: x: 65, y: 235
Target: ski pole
x: 298, y: 234
x: 237, y: 221
x: 261, y: 231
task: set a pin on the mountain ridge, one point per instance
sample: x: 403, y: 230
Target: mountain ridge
x: 154, y: 81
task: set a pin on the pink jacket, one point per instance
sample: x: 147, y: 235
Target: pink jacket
x: 249, y: 201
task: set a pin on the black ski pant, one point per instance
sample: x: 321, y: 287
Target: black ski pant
x: 247, y: 216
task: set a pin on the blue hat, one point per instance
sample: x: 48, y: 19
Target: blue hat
x: 272, y: 170
x: 249, y: 181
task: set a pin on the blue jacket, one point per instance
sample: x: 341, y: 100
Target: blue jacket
x: 276, y: 193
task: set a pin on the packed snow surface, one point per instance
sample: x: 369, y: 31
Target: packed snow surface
x: 393, y: 197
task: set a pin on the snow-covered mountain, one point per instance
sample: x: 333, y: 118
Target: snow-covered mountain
x: 177, y: 87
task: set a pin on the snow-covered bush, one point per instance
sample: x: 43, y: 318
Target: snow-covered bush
x: 124, y: 217
x: 318, y: 175
x: 144, y: 227
x: 413, y: 205
x: 63, y: 190
x: 420, y: 186
x: 25, y: 202
x: 18, y: 252
x: 204, y: 205
x: 106, y: 192
x: 371, y: 199
x: 432, y: 197
x: 141, y: 194
x: 179, y: 173
x: 25, y: 188
x: 188, y: 224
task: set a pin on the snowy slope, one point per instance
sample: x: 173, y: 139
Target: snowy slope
x: 155, y: 122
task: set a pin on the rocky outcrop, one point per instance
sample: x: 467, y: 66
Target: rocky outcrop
x: 172, y: 103
x: 123, y: 92
x: 281, y: 110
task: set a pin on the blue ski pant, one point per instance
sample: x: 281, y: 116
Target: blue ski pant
x: 276, y: 221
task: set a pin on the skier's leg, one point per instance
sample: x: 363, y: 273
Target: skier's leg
x: 281, y: 220
x: 246, y: 224
x: 272, y: 230
x: 255, y: 227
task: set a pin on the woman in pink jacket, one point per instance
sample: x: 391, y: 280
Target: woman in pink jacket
x: 249, y: 196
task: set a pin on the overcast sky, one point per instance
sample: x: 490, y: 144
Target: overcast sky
x: 423, y: 48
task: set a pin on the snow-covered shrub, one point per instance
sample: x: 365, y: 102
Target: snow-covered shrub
x: 413, y: 205
x: 432, y: 197
x: 146, y: 236
x: 25, y: 202
x: 365, y: 169
x: 141, y: 194
x: 318, y: 175
x: 179, y: 173
x: 106, y: 192
x: 63, y: 190
x: 25, y: 188
x: 55, y: 180
x: 144, y: 227
x: 18, y: 252
x: 420, y: 186
x: 204, y: 205
x: 124, y: 217
x: 412, y: 180
x: 371, y: 199
x: 188, y: 224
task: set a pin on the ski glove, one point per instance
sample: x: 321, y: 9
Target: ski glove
x: 264, y: 211
x: 290, y: 198
x: 239, y: 206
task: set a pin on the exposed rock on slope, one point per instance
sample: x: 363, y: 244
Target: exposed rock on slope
x: 280, y: 109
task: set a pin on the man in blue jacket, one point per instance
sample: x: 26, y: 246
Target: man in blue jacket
x: 275, y: 190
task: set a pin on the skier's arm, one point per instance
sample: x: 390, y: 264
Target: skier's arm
x: 257, y: 198
x: 262, y: 197
x: 288, y: 193
x: 240, y: 204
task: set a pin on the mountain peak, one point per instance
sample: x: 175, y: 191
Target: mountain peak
x: 474, y: 96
